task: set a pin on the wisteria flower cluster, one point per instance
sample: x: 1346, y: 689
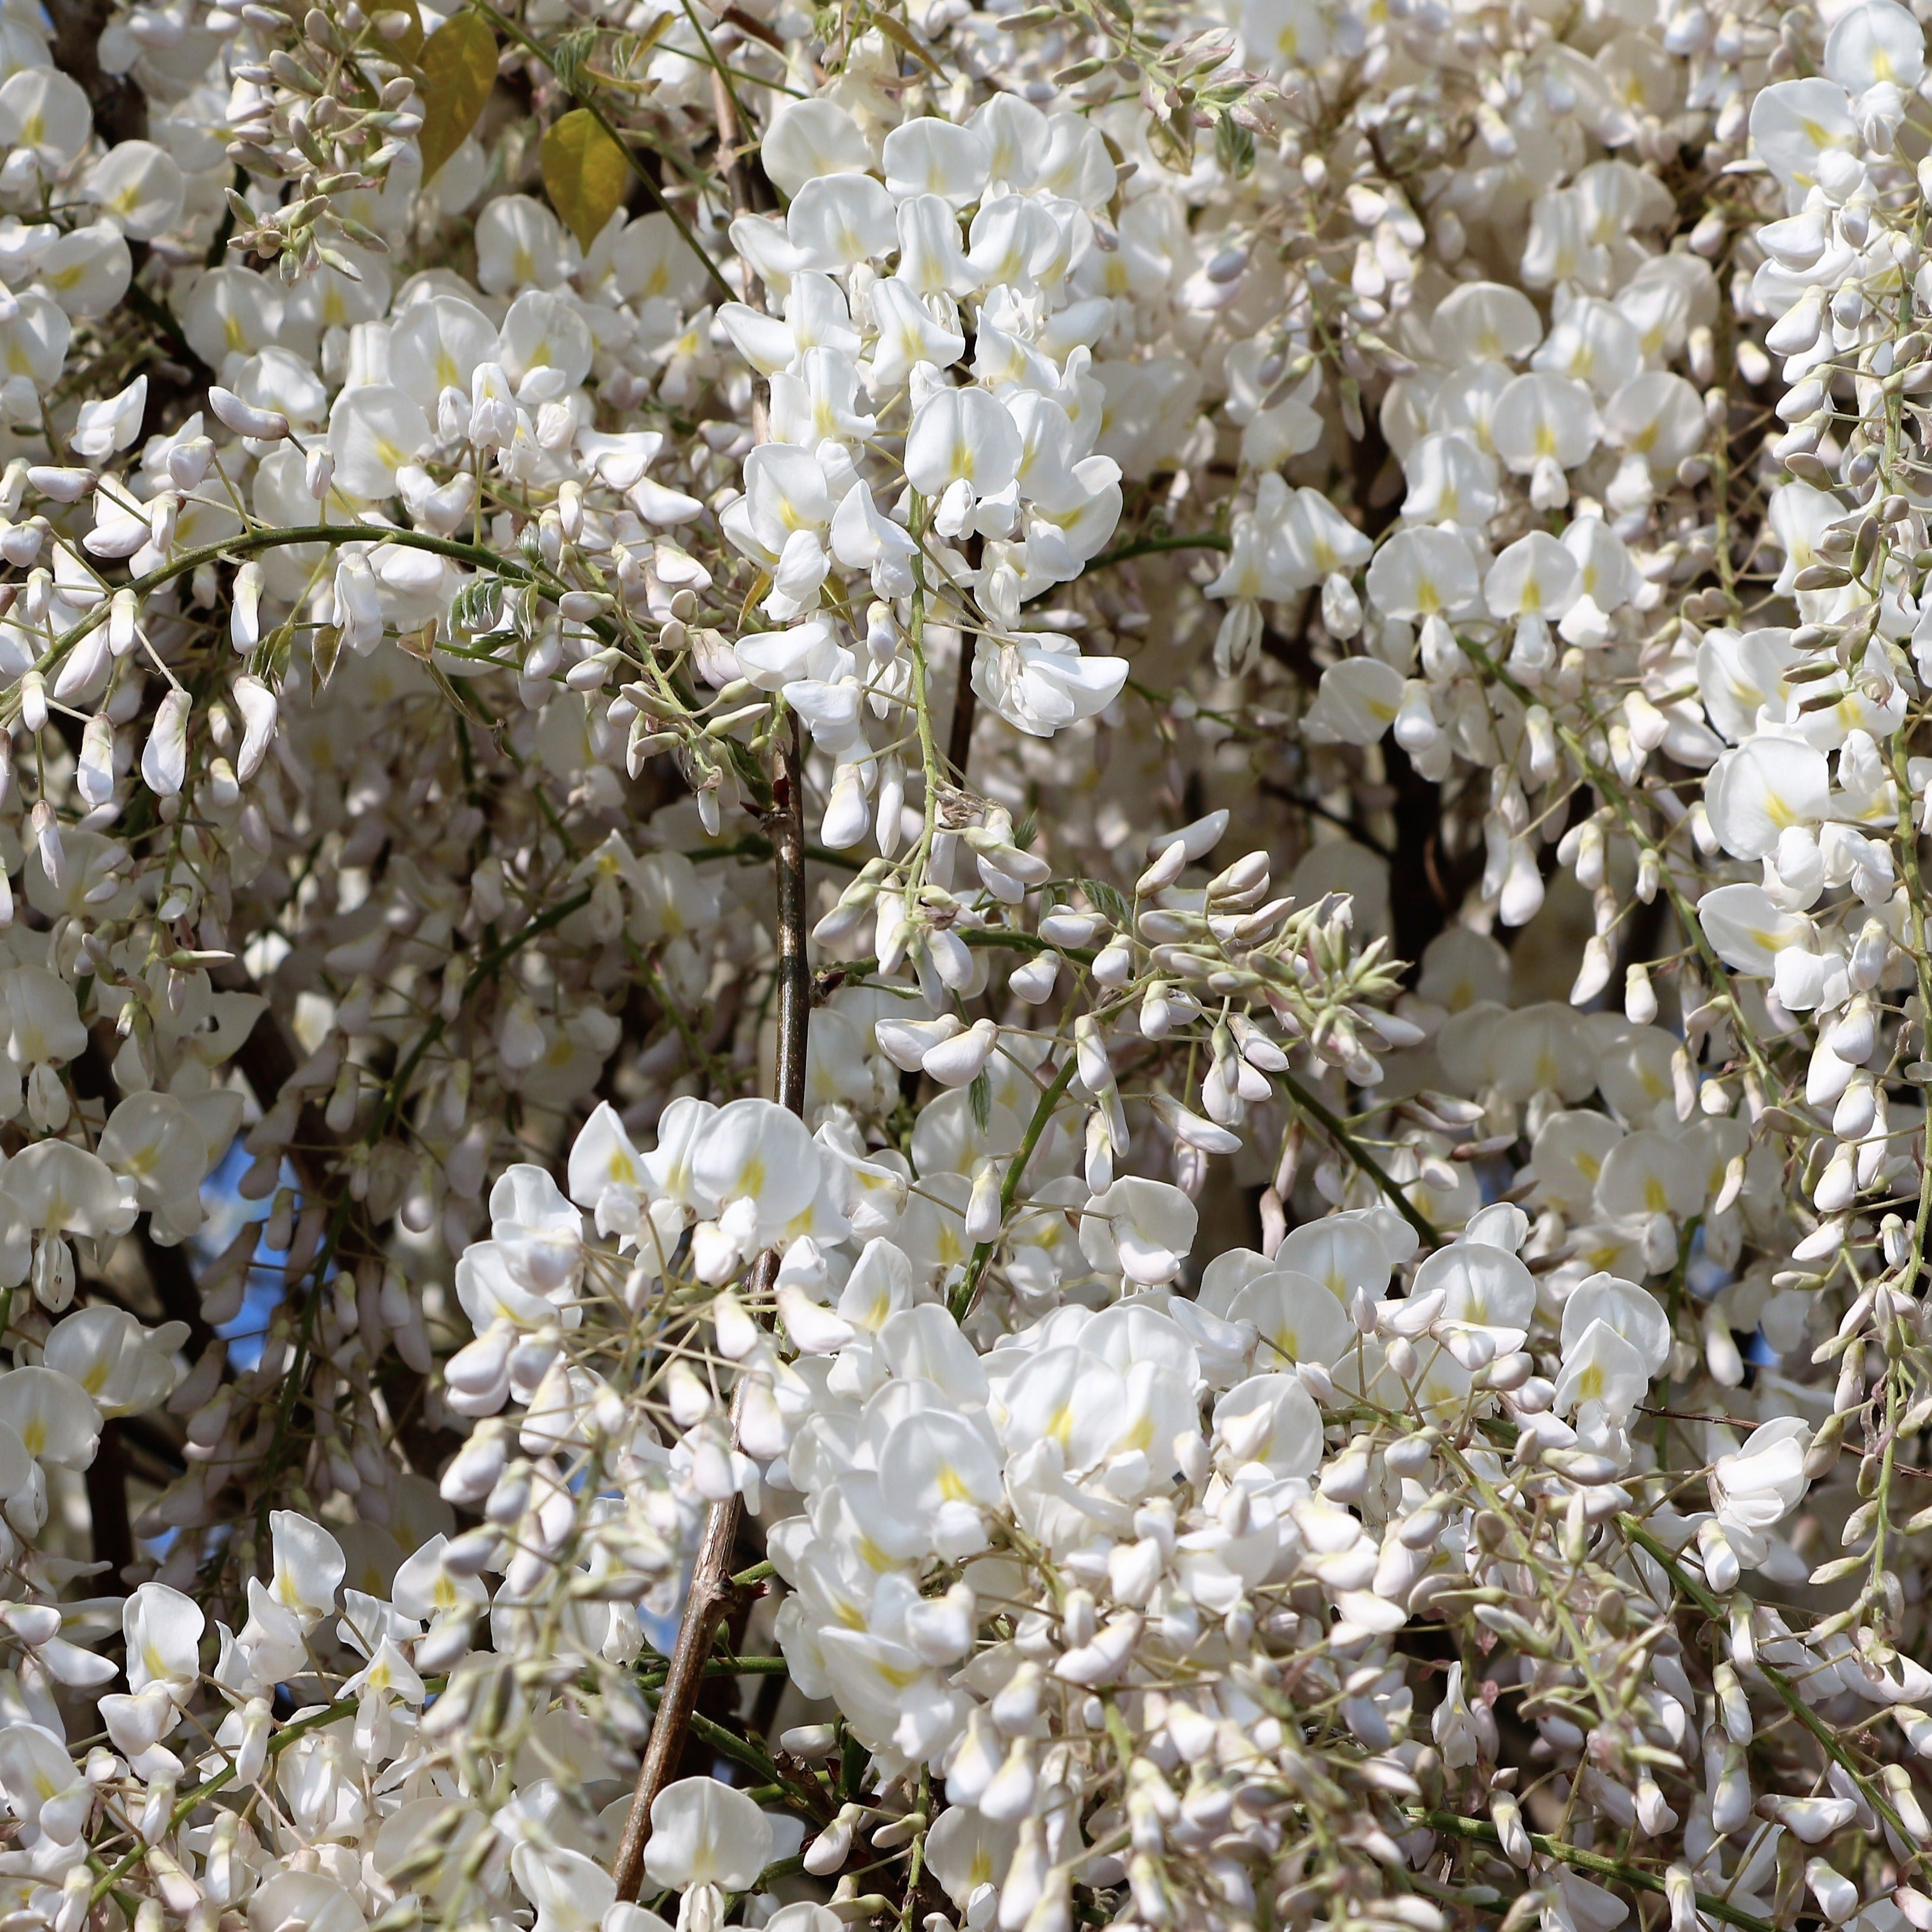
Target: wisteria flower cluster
x: 965, y: 967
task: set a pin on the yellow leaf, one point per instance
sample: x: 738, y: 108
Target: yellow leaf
x: 900, y: 36
x: 406, y: 44
x: 459, y: 68
x: 585, y: 173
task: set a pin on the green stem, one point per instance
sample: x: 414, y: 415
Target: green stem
x: 584, y: 99
x: 742, y: 1750
x: 723, y: 72
x: 250, y: 541
x: 723, y: 1666
x: 929, y: 746
x: 185, y: 1807
x: 1453, y: 1825
x: 486, y: 968
x: 648, y: 975
x: 1330, y: 1124
x: 1009, y: 1185
x: 1788, y: 1694
x: 999, y: 940
x: 756, y: 845
x: 1149, y: 546
x: 1029, y: 942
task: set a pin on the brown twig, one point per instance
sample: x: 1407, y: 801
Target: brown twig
x: 749, y: 192
x: 107, y: 1503
x: 712, y: 1589
x: 120, y: 107
x: 965, y: 706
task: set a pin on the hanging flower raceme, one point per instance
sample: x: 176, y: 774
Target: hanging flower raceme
x: 1059, y: 877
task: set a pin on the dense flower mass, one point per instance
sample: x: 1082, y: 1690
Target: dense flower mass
x: 965, y: 967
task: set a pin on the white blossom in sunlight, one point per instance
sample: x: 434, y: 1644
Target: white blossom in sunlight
x: 965, y: 968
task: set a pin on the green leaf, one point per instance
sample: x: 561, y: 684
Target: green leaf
x: 475, y: 609
x: 325, y: 646
x: 585, y: 173
x: 459, y: 69
x: 1107, y: 901
x: 568, y: 57
x: 1171, y: 136
x: 1234, y: 146
x: 980, y: 1094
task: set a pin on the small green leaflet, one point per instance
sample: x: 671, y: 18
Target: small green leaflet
x: 1107, y: 901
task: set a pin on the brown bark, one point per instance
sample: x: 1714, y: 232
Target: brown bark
x: 120, y: 107
x: 711, y: 1594
x: 107, y: 1504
